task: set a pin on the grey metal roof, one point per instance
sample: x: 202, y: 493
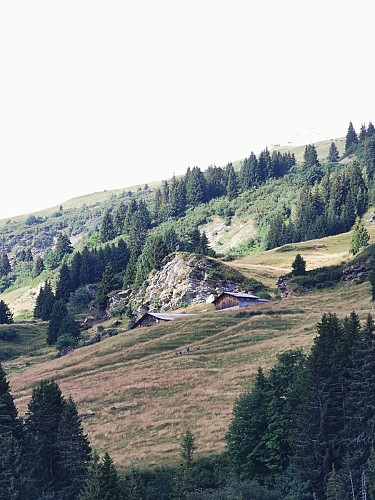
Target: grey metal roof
x: 241, y: 295
x: 168, y: 317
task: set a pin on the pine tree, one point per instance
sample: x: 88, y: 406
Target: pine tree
x: 63, y: 245
x: 351, y: 139
x: 188, y: 448
x: 362, y: 133
x: 232, y: 183
x: 245, y: 443
x: 64, y: 285
x: 10, y: 424
x: 5, y: 267
x: 103, y: 482
x: 41, y: 427
x: 107, y: 285
x: 73, y: 452
x: 44, y: 302
x: 370, y: 130
x: 360, y: 237
x: 335, y: 488
x: 6, y: 316
x: 107, y: 230
x: 333, y: 155
x: 58, y: 313
x: 299, y: 266
x: 38, y: 266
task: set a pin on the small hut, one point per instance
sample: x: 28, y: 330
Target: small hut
x: 151, y: 318
x: 231, y: 299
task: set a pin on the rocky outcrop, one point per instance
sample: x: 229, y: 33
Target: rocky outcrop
x: 186, y: 279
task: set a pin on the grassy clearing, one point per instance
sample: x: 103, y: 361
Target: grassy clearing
x: 141, y: 395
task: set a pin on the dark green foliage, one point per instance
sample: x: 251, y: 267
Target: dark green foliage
x: 119, y: 218
x: 57, y: 316
x: 107, y: 230
x: 299, y: 265
x: 6, y: 316
x: 351, y: 139
x: 232, y: 182
x: 56, y: 450
x: 63, y: 246
x: 360, y: 237
x: 38, y: 266
x: 188, y: 448
x: 10, y: 424
x: 73, y: 452
x: 333, y: 155
x: 64, y: 284
x: 246, y: 447
x: 369, y: 157
x: 51, y: 259
x: 5, y: 267
x: 107, y: 284
x: 195, y: 184
x: 310, y: 157
x: 103, y: 482
x: 44, y: 302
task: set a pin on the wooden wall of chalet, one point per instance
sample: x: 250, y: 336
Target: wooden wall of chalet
x: 226, y: 301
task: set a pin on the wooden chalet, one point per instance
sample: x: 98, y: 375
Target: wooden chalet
x: 231, y: 299
x: 151, y: 318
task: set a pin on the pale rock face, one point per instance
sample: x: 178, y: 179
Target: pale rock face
x: 184, y: 279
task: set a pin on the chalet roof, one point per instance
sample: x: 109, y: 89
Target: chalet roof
x: 240, y: 295
x: 167, y: 317
x: 162, y: 316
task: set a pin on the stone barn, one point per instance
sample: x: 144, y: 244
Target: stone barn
x: 151, y: 318
x: 232, y: 299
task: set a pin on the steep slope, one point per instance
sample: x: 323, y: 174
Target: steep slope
x: 137, y: 396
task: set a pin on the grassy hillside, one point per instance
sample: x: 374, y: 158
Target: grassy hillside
x: 137, y: 396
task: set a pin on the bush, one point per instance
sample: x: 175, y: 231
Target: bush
x: 8, y: 335
x: 65, y: 341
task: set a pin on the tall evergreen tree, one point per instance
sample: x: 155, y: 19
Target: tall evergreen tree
x: 6, y: 315
x: 64, y: 285
x: 63, y: 245
x: 38, y: 266
x: 351, y: 139
x: 58, y: 313
x: 360, y: 237
x: 299, y: 265
x: 44, y: 302
x: 107, y: 230
x: 333, y: 155
x: 73, y: 452
x: 5, y: 267
x: 232, y: 183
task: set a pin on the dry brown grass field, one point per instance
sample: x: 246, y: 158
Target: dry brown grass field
x: 137, y: 396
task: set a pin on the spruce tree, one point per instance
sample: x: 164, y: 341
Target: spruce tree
x: 351, y: 139
x: 6, y: 316
x: 232, y: 183
x: 64, y: 285
x: 103, y: 482
x: 58, y: 313
x: 299, y: 265
x: 38, y: 266
x: 360, y: 237
x: 63, y: 245
x: 73, y: 452
x: 5, y: 267
x: 333, y: 155
x: 107, y: 230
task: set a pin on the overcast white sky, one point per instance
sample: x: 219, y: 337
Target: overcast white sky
x: 101, y: 95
